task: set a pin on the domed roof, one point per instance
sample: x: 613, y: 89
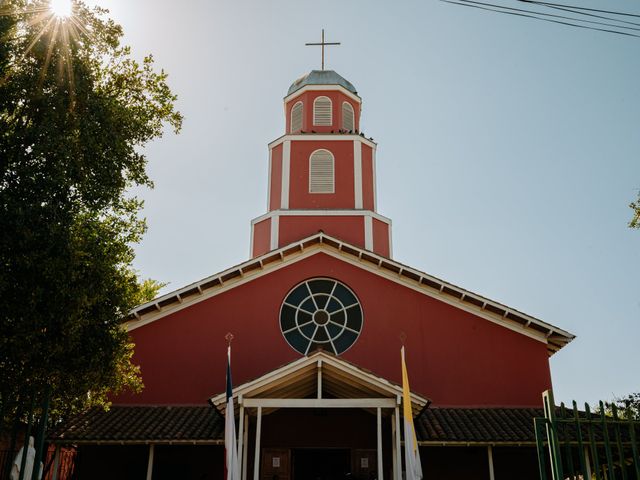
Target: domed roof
x: 321, y: 77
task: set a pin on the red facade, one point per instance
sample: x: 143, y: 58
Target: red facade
x: 455, y: 357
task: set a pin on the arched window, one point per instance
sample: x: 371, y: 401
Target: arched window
x: 348, y: 123
x: 322, y: 111
x: 296, y: 118
x: 321, y: 177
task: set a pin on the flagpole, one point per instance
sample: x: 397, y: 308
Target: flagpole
x: 411, y: 451
x: 230, y: 444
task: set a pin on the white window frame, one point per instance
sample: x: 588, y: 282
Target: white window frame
x: 333, y: 171
x: 353, y: 117
x: 315, y: 121
x: 291, y: 129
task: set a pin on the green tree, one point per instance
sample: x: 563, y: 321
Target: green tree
x: 635, y: 220
x: 75, y: 111
x: 627, y: 407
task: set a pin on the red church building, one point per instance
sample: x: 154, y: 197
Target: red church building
x: 319, y: 314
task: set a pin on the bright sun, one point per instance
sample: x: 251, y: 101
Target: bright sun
x: 61, y: 8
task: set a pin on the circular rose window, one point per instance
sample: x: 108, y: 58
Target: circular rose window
x: 321, y: 313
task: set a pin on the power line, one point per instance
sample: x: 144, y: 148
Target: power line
x: 581, y: 8
x: 551, y: 15
x: 548, y: 17
x: 579, y: 12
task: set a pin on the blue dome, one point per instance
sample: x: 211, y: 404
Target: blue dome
x: 321, y: 77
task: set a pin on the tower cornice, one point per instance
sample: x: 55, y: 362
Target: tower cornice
x: 323, y: 88
x: 323, y: 137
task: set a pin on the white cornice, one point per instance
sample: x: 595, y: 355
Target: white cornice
x: 323, y: 88
x: 322, y: 137
x: 322, y: 213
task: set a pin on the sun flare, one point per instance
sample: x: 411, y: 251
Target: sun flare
x: 61, y: 8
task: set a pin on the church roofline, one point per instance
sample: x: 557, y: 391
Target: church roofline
x: 554, y: 337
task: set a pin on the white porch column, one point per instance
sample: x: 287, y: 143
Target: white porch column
x: 380, y: 472
x: 150, y: 462
x: 490, y: 458
x: 240, y: 434
x: 256, y: 460
x: 394, y: 453
x: 245, y: 447
x: 398, y: 443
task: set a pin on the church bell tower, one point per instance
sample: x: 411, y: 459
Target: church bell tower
x: 322, y: 171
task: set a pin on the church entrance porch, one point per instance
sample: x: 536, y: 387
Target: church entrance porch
x: 320, y: 402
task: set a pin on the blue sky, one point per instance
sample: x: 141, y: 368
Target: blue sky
x: 507, y: 152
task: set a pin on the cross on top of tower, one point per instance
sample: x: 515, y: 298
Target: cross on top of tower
x: 322, y: 44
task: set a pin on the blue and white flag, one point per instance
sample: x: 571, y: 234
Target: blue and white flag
x: 231, y: 449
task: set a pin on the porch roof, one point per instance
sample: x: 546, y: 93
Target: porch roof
x: 187, y: 424
x: 142, y: 424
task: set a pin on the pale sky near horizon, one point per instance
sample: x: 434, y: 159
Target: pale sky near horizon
x: 507, y: 152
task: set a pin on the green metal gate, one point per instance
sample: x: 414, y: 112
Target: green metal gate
x: 575, y: 444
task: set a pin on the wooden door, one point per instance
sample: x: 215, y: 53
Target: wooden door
x: 276, y: 464
x: 364, y: 464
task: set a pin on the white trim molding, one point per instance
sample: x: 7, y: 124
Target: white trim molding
x: 368, y: 232
x: 323, y: 88
x: 322, y: 137
x: 286, y: 174
x: 357, y: 174
x: 323, y: 213
x: 275, y: 232
x: 269, y: 184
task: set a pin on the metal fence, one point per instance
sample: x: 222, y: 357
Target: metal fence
x: 584, y: 444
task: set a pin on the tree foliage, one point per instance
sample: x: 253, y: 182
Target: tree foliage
x: 75, y: 111
x: 627, y: 407
x: 635, y: 220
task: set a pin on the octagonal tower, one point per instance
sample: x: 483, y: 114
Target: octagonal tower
x: 322, y: 174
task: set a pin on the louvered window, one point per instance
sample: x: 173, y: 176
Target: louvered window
x: 321, y: 176
x: 322, y: 111
x: 347, y: 117
x: 296, y: 118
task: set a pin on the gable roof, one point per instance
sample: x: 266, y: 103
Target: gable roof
x: 321, y: 373
x: 554, y: 337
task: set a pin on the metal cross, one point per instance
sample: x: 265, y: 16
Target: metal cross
x: 322, y: 44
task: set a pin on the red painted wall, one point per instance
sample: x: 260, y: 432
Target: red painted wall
x: 454, y: 357
x: 299, y: 196
x: 261, y: 237
x: 347, y: 228
x: 276, y: 177
x: 381, y: 238
x: 308, y: 98
x: 367, y: 178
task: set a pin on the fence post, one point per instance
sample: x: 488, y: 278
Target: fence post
x: 538, y: 424
x: 552, y: 435
x: 611, y: 468
x: 581, y: 448
x: 592, y: 443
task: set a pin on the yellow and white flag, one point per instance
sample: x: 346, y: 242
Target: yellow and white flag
x: 411, y: 453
